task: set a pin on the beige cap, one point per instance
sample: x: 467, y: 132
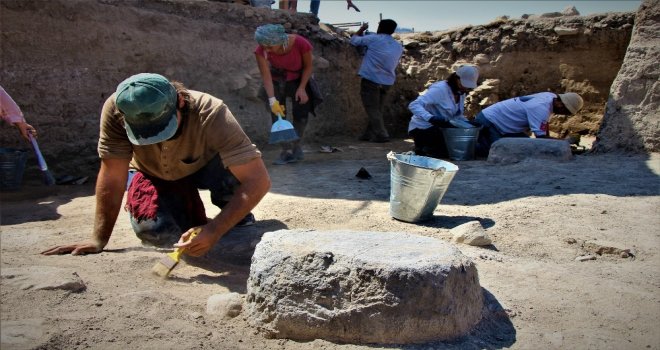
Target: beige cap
x: 572, y: 101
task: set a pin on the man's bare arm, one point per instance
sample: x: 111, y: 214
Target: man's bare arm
x: 255, y: 183
x: 110, y: 188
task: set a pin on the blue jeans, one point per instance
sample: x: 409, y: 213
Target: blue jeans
x: 172, y: 218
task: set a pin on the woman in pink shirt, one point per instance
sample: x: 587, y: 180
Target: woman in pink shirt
x: 285, y: 63
x: 11, y: 113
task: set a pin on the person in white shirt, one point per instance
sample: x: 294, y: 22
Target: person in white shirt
x: 12, y: 114
x: 440, y: 106
x: 522, y: 116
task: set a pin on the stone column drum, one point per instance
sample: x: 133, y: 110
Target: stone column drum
x: 361, y: 287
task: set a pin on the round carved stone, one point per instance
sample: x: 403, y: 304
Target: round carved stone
x: 361, y: 287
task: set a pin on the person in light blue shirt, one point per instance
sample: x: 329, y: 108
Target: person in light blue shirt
x: 440, y: 106
x: 378, y: 72
x: 520, y: 116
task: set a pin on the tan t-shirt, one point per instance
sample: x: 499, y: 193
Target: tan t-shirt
x: 209, y: 129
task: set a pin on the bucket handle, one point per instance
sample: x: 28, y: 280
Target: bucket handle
x: 391, y: 156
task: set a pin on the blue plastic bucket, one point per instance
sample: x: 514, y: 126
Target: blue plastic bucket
x: 12, y: 166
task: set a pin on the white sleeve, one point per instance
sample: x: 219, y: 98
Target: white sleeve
x: 537, y: 117
x: 421, y: 106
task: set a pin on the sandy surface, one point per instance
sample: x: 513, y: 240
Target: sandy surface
x: 540, y: 214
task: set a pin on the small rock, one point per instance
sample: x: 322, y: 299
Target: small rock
x: 563, y: 31
x: 585, y: 258
x: 570, y: 11
x: 363, y: 174
x: 481, y: 59
x: 571, y: 240
x: 410, y: 44
x: 604, y: 247
x: 226, y: 304
x: 471, y: 233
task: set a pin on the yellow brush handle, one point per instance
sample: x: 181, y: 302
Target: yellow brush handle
x: 176, y: 254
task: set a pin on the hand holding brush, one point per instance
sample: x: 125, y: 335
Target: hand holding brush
x: 169, y: 261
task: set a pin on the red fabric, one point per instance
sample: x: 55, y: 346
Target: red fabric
x: 142, y: 197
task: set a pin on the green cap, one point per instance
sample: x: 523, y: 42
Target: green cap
x: 148, y: 102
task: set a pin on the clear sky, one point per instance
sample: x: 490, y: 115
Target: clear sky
x: 440, y: 15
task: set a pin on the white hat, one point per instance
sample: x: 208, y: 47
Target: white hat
x: 469, y: 75
x: 572, y: 101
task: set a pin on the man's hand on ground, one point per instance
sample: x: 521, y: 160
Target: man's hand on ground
x: 75, y: 249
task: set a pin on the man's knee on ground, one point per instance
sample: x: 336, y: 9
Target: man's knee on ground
x: 158, y: 232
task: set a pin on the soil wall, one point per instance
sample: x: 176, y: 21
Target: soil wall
x: 62, y: 58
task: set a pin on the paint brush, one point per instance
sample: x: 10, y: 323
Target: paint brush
x: 170, y: 260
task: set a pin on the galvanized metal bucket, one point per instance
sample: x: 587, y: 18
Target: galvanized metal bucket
x: 12, y: 166
x: 461, y: 142
x: 417, y: 185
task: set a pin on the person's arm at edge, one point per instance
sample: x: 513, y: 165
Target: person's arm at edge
x: 304, y: 78
x: 267, y: 79
x: 12, y: 114
x: 110, y: 188
x: 24, y: 129
x: 360, y: 31
x: 254, y: 184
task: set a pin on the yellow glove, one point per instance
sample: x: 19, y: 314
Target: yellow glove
x: 275, y: 107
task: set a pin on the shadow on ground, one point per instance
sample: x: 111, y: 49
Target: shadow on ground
x: 38, y: 202
x: 332, y: 175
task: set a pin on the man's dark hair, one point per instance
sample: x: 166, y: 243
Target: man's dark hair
x: 183, y: 92
x: 386, y: 26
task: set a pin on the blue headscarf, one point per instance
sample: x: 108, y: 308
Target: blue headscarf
x: 271, y: 35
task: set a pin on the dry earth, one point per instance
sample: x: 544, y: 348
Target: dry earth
x: 540, y: 214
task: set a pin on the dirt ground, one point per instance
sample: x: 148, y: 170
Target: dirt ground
x: 541, y: 215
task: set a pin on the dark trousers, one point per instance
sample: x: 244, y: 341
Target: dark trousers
x: 430, y: 142
x: 373, y: 97
x: 314, y: 7
x: 300, y: 111
x: 173, y: 215
x: 488, y: 135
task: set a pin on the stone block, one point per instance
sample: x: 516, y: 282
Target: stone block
x: 361, y: 287
x: 515, y: 149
